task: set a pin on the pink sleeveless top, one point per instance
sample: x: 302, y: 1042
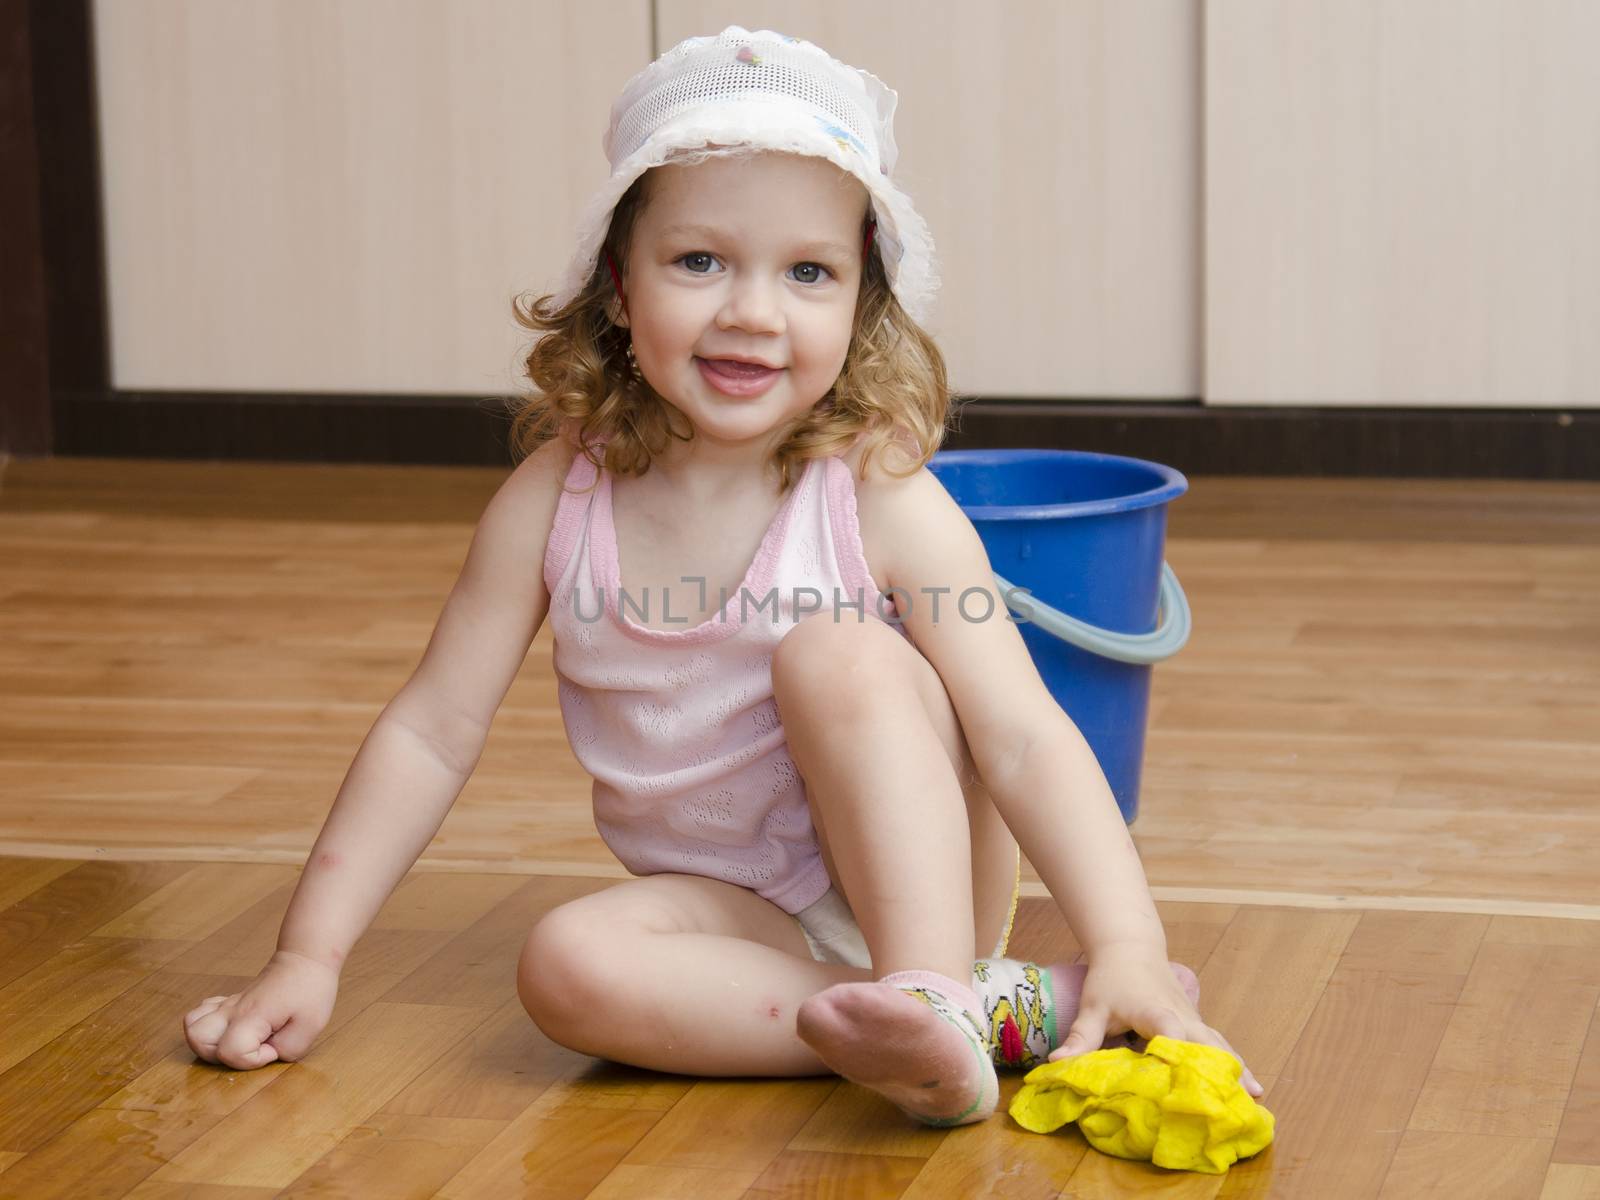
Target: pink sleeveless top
x: 679, y: 728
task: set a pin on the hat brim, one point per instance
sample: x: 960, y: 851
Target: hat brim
x: 904, y: 242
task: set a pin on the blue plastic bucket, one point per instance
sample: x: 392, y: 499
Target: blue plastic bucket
x: 1082, y: 537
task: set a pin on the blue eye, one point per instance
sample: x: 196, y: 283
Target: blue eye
x: 695, y: 254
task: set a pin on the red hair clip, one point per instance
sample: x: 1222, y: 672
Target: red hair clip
x: 616, y: 279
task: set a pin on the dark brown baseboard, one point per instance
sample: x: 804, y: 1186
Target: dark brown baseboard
x: 1420, y: 443
x: 1198, y: 439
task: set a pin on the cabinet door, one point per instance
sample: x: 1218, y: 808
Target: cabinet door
x: 1401, y: 203
x: 1053, y: 148
x: 345, y: 196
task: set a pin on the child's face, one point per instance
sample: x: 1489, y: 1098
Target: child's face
x: 772, y: 275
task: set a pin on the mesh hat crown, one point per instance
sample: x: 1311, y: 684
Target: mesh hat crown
x: 738, y: 91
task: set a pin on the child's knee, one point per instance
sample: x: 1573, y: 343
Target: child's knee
x: 559, y: 973
x: 822, y: 655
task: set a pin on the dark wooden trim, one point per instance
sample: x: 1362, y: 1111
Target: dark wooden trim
x: 1450, y: 443
x: 1461, y: 443
x: 24, y: 364
x: 53, y: 322
x: 286, y: 428
x: 71, y: 217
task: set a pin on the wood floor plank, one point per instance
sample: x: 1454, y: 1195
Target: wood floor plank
x: 853, y: 1120
x: 493, y: 1073
x: 1383, y: 945
x: 394, y: 1155
x: 1578, y: 1141
x: 1566, y: 1181
x: 1194, y: 930
x: 1442, y: 943
x: 734, y: 1125
x: 1460, y: 1164
x: 1104, y: 1177
x: 1262, y: 982
x: 673, y: 1183
x: 106, y: 1152
x: 71, y: 906
x: 598, y: 1083
x: 444, y: 901
x: 67, y: 987
x: 1252, y: 767
x: 1571, y: 723
x: 310, y: 1108
x: 999, y: 1160
x: 1509, y: 1055
x: 1420, y: 846
x: 21, y: 877
x: 1533, y: 931
x: 39, y: 1097
x: 1342, y: 1099
x: 478, y: 966
x: 551, y: 1152
x: 243, y: 945
x: 198, y: 902
x: 152, y: 1190
x: 1040, y: 932
x: 797, y: 1173
x: 179, y: 1082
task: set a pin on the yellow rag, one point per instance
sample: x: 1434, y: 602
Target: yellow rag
x: 1179, y: 1105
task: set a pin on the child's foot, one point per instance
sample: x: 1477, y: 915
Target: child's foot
x: 914, y: 1037
x: 1028, y: 1009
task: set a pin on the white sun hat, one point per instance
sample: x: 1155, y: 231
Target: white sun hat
x: 763, y: 90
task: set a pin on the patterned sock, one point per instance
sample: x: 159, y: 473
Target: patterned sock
x: 914, y: 1037
x: 1028, y: 1009
x: 1022, y: 1005
x: 962, y: 1008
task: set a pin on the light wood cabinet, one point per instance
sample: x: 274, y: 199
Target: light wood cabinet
x: 1402, y: 203
x: 344, y: 195
x: 1305, y: 202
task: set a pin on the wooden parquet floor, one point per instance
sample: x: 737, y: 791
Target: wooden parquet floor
x: 1369, y: 814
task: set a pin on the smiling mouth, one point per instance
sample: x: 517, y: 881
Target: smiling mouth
x: 738, y: 370
x: 737, y: 380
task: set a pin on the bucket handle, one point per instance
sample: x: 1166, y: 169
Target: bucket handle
x: 1140, y: 649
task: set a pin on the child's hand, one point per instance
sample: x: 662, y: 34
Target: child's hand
x: 277, y: 1016
x: 1133, y: 988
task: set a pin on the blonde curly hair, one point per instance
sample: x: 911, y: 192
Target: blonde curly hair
x: 892, y: 391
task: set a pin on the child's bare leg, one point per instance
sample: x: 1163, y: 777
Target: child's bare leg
x: 890, y: 781
x: 873, y: 733
x: 676, y: 973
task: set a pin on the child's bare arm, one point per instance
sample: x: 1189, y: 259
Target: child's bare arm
x: 1042, y: 775
x: 406, y: 775
x: 395, y: 796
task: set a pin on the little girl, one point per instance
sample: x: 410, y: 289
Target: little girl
x: 823, y: 775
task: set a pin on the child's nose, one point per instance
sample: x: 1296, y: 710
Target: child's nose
x: 753, y: 305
